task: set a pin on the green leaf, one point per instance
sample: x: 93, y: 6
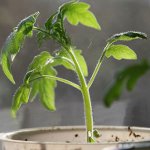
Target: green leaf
x: 127, y: 36
x: 9, y: 50
x: 96, y: 133
x: 75, y: 12
x: 31, y: 75
x: 120, y: 52
x: 135, y: 72
x: 81, y: 61
x: 37, y: 65
x: 21, y: 96
x: 27, y: 24
x: 128, y: 78
x: 14, y: 43
x: 62, y: 58
x: 78, y: 12
x: 50, y: 23
x: 91, y: 140
x: 41, y: 85
x: 34, y: 91
x: 55, y: 27
x: 114, y: 92
x: 39, y: 61
x: 47, y: 88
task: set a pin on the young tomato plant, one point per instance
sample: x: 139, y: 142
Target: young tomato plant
x: 41, y: 75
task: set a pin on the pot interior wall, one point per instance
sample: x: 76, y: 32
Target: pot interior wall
x: 78, y: 135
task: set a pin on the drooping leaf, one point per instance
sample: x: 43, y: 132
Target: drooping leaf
x: 43, y: 65
x: 47, y: 88
x: 21, y: 96
x: 14, y: 43
x: 40, y: 84
x: 127, y: 36
x: 128, y: 78
x: 9, y: 50
x: 26, y: 25
x: 120, y: 52
x: 34, y: 90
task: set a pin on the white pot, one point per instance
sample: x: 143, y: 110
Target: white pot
x: 72, y: 138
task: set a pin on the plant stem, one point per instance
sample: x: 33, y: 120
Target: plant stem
x: 41, y: 30
x: 86, y: 97
x: 65, y: 59
x: 88, y: 113
x: 58, y: 79
x: 98, y: 66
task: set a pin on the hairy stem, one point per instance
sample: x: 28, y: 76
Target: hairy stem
x: 86, y: 97
x: 98, y: 66
x: 58, y: 79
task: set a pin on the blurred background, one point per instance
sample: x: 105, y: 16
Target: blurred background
x: 114, y: 16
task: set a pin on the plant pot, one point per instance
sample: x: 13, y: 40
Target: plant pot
x: 71, y: 138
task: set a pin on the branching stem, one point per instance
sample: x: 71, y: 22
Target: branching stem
x: 97, y: 68
x: 83, y: 88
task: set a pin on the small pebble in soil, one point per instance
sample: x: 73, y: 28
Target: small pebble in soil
x: 130, y: 131
x: 76, y: 135
x: 136, y: 135
x: 26, y: 139
x: 67, y: 141
x: 116, y: 139
x: 133, y: 133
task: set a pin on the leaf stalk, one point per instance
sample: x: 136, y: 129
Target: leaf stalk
x: 58, y: 79
x: 97, y: 68
x: 41, y: 30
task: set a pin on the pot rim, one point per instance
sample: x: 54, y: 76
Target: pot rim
x: 6, y: 137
